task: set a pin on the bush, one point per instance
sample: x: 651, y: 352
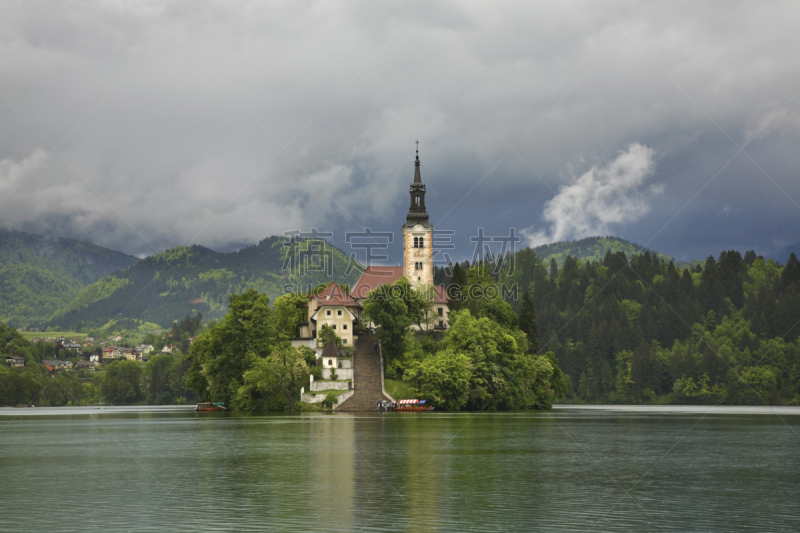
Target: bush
x: 330, y: 399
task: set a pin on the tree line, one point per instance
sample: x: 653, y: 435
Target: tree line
x: 638, y: 329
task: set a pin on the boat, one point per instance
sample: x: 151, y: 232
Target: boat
x: 412, y: 406
x: 212, y: 406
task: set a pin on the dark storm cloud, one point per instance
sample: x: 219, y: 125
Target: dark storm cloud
x: 167, y: 143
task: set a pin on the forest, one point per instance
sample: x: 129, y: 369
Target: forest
x: 622, y: 329
x: 638, y: 329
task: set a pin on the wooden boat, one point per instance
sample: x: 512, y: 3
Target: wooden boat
x: 412, y: 406
x: 212, y: 406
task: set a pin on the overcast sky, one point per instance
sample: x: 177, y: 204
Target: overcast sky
x: 141, y: 127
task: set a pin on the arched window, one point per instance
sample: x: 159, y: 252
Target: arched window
x: 330, y: 362
x: 421, y: 242
x: 416, y: 242
x: 416, y: 200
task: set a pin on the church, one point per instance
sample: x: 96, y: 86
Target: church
x: 342, y: 310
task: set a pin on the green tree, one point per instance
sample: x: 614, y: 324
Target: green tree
x: 528, y: 324
x: 290, y: 311
x: 444, y: 379
x: 122, y: 382
x: 456, y: 288
x: 283, y: 370
x: 386, y: 307
x: 326, y: 334
x: 222, y: 354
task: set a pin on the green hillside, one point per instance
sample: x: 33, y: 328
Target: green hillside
x: 167, y: 286
x: 591, y: 248
x: 40, y: 275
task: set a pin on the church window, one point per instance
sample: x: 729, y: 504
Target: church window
x: 416, y: 200
x: 330, y: 362
x: 421, y: 242
x: 416, y: 242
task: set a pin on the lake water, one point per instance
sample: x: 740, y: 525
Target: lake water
x: 569, y: 469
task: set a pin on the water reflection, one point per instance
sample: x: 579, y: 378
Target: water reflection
x: 569, y: 470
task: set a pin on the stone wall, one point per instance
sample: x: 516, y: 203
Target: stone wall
x: 317, y: 386
x: 341, y: 373
x: 317, y: 398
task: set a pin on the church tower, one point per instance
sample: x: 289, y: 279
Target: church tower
x: 417, y: 236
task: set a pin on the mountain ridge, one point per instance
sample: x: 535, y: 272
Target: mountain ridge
x: 39, y: 275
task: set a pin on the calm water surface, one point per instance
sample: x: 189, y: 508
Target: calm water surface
x: 571, y: 469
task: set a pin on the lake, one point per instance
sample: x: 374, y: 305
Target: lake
x: 569, y: 469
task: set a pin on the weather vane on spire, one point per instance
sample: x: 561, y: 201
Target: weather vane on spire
x: 417, y: 143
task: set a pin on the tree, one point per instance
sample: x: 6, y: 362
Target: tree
x: 122, y: 382
x: 457, y: 287
x: 528, y: 324
x: 386, y: 307
x: 283, y: 370
x: 444, y: 379
x: 222, y: 354
x: 326, y: 334
x: 290, y: 311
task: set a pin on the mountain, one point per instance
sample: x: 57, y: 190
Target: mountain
x: 167, y: 286
x: 594, y: 248
x: 39, y: 275
x: 784, y: 254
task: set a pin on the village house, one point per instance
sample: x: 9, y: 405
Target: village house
x: 20, y: 330
x: 144, y: 348
x: 111, y: 352
x: 167, y: 349
x: 15, y: 361
x: 94, y: 358
x: 91, y: 366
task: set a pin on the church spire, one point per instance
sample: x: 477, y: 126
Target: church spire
x: 417, y: 178
x: 416, y: 211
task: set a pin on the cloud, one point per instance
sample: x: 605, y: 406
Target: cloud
x: 175, y: 142
x: 13, y: 173
x: 599, y: 199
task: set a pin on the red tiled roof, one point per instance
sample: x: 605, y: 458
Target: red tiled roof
x: 374, y: 277
x: 335, y: 295
x: 440, y: 295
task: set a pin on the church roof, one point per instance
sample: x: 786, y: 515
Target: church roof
x: 331, y: 350
x: 374, y: 277
x: 440, y: 294
x: 335, y: 295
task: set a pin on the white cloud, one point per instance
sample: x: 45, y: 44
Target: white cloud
x: 600, y: 198
x: 13, y: 173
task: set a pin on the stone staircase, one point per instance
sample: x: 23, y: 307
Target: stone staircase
x: 367, y: 383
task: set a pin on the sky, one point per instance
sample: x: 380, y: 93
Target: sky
x: 141, y: 126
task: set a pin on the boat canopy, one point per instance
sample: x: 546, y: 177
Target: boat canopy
x: 407, y: 402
